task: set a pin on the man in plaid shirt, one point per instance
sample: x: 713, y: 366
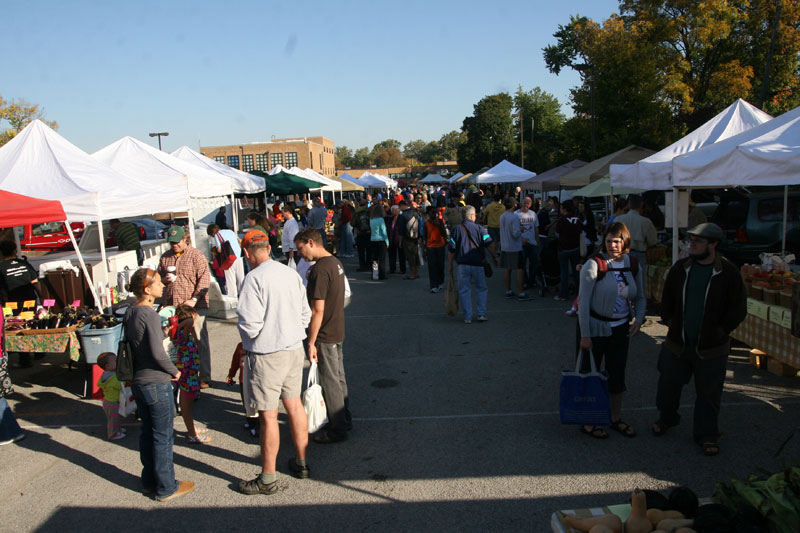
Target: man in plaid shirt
x: 184, y: 271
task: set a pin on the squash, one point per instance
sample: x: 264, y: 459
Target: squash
x: 657, y: 515
x: 611, y: 521
x: 601, y: 528
x: 671, y: 524
x: 637, y: 522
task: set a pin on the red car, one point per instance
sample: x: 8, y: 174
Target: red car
x: 49, y: 237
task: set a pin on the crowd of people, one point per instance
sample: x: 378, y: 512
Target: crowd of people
x: 291, y: 307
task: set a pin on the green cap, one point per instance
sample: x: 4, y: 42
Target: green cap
x: 175, y: 234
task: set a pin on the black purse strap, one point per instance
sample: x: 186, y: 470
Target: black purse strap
x: 469, y: 236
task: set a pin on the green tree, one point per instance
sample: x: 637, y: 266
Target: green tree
x: 541, y: 120
x: 18, y: 114
x: 362, y: 158
x: 489, y: 134
x: 413, y: 150
x: 448, y: 145
x: 343, y: 157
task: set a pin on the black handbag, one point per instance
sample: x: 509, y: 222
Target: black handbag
x: 6, y: 387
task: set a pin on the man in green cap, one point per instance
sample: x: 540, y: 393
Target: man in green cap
x: 184, y: 271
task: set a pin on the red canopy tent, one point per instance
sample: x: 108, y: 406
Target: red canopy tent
x: 20, y: 210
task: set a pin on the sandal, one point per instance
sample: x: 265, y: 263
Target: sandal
x: 199, y: 439
x: 660, y: 428
x: 596, y: 432
x: 710, y: 449
x: 621, y: 427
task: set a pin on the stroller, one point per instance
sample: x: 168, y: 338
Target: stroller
x: 549, y: 271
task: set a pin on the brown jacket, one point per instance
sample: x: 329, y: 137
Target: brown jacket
x: 725, y: 307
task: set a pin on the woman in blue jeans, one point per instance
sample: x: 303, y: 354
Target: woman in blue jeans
x: 568, y: 228
x: 152, y: 389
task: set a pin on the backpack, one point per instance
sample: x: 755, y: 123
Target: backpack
x: 602, y: 266
x: 412, y: 227
x: 363, y: 221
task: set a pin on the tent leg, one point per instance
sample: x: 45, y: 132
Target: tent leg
x: 675, y: 225
x: 83, y: 268
x: 192, y: 233
x: 785, y: 211
x: 234, y: 217
x: 19, y: 246
x: 104, y: 257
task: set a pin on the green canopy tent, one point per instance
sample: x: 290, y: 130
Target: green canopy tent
x: 285, y: 183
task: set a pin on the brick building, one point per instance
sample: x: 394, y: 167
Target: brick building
x: 316, y: 153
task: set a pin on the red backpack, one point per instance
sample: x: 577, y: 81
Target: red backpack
x: 602, y: 266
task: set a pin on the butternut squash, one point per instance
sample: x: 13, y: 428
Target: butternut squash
x: 657, y: 515
x: 671, y: 524
x: 600, y: 528
x: 611, y: 521
x: 637, y: 522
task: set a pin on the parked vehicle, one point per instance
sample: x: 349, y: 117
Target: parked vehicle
x: 49, y: 237
x: 754, y: 224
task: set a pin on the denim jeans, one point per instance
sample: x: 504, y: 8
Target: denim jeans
x: 347, y: 248
x: 568, y: 261
x: 155, y: 405
x: 468, y: 276
x: 9, y: 429
x: 530, y: 254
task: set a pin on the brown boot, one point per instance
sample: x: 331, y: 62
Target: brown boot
x: 184, y: 487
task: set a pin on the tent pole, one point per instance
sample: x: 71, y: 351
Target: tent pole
x: 16, y: 241
x: 785, y: 211
x: 83, y: 267
x: 233, y: 213
x: 674, y: 225
x: 190, y: 215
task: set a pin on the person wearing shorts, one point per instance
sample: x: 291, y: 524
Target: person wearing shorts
x: 511, y: 246
x: 273, y: 315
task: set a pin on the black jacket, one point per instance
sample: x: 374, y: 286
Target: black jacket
x: 725, y: 307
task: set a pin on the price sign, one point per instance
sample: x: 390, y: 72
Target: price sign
x: 28, y: 303
x: 49, y: 303
x: 76, y: 303
x: 7, y: 311
x: 11, y: 305
x: 26, y: 315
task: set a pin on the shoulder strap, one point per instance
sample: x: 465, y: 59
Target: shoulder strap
x: 468, y: 235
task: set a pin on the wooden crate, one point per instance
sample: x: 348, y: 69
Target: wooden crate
x: 758, y: 359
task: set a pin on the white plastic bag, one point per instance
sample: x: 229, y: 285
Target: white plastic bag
x: 291, y: 264
x: 314, y: 403
x: 127, y: 404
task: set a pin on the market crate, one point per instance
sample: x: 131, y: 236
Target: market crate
x: 780, y: 369
x: 758, y: 359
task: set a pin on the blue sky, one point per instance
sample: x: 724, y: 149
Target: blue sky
x: 234, y: 72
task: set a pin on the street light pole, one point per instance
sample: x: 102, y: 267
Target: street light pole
x: 159, y: 135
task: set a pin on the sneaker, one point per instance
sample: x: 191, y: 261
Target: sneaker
x: 118, y: 435
x: 435, y: 290
x: 571, y: 312
x: 482, y: 318
x: 255, y: 486
x: 560, y: 299
x: 184, y: 487
x: 300, y: 472
x: 15, y: 439
x: 467, y: 321
x: 509, y: 294
x: 523, y: 297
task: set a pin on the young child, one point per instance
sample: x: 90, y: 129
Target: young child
x: 111, y: 388
x: 189, y: 365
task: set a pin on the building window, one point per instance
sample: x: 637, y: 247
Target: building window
x: 275, y: 159
x: 219, y: 159
x: 291, y: 159
x: 262, y: 161
x: 233, y: 161
x: 320, y: 160
x: 247, y: 162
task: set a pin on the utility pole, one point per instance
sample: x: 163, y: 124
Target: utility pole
x: 768, y: 66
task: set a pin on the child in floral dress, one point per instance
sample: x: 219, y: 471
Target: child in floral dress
x: 189, y: 365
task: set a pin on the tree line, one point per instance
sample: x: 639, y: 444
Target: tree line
x: 393, y: 153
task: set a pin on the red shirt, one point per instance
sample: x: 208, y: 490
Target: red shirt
x: 347, y: 214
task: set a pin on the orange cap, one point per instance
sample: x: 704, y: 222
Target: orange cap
x: 253, y: 236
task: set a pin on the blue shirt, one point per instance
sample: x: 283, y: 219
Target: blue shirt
x: 460, y: 245
x: 377, y: 229
x: 228, y: 235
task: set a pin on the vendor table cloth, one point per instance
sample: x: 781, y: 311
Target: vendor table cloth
x: 771, y: 338
x: 654, y: 284
x: 48, y: 342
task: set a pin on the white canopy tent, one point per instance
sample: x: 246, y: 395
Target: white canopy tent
x: 455, y: 177
x: 39, y: 162
x: 434, y: 178
x: 505, y: 172
x: 325, y: 183
x: 655, y: 171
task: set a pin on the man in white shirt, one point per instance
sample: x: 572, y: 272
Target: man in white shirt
x: 643, y: 232
x: 290, y: 229
x: 511, y: 244
x: 529, y: 222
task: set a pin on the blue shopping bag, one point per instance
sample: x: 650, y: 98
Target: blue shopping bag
x: 584, y: 396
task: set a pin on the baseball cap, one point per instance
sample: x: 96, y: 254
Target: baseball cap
x: 707, y: 230
x: 175, y: 234
x: 254, y: 236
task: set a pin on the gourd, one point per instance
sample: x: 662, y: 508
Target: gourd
x: 601, y: 528
x: 611, y: 521
x: 671, y: 524
x: 657, y: 515
x: 637, y: 522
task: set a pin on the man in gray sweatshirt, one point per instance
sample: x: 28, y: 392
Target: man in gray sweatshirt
x: 273, y: 314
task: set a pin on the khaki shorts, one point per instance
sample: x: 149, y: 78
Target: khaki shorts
x: 411, y: 251
x: 272, y: 376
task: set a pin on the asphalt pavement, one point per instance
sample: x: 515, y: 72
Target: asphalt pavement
x: 456, y: 427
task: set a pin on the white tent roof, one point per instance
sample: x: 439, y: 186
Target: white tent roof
x: 325, y: 179
x: 128, y: 157
x: 768, y: 154
x: 352, y: 179
x: 325, y: 183
x: 277, y: 169
x: 654, y: 172
x: 455, y: 177
x: 434, y: 178
x: 243, y: 182
x: 377, y: 181
x: 505, y: 172
x: 39, y: 162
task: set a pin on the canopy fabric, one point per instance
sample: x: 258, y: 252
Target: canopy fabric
x: 455, y: 177
x: 433, y: 178
x: 39, y: 162
x: 767, y: 154
x: 375, y: 181
x: 551, y: 179
x: 598, y: 168
x: 130, y: 157
x: 285, y: 182
x: 243, y: 183
x: 322, y: 182
x: 20, y: 210
x: 655, y: 171
x: 347, y: 186
x: 505, y: 172
x: 336, y: 185
x: 602, y: 187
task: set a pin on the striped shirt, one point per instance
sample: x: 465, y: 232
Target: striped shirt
x: 192, y: 280
x: 127, y: 236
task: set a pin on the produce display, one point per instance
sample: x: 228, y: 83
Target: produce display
x: 68, y: 317
x: 771, y: 286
